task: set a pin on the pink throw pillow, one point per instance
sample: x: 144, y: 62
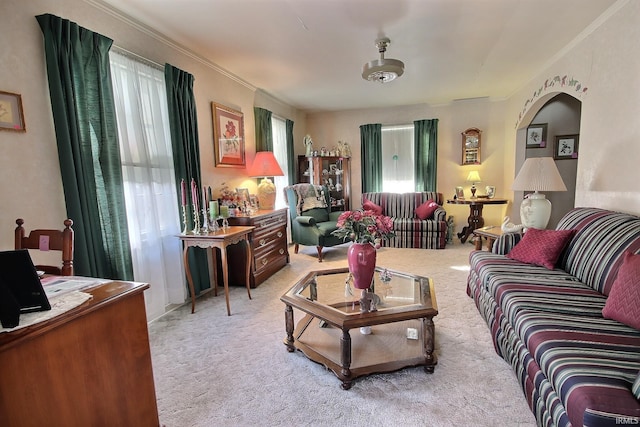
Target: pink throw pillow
x: 368, y: 205
x: 623, y: 303
x: 541, y: 247
x: 425, y: 210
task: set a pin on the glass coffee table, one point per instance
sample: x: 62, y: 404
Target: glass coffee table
x: 399, y: 308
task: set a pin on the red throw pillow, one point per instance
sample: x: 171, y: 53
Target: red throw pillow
x: 425, y: 210
x: 623, y: 303
x: 368, y: 205
x: 541, y: 247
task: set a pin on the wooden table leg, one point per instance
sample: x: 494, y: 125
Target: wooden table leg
x: 248, y: 267
x: 428, y: 332
x: 288, y: 324
x: 225, y: 276
x: 192, y: 291
x: 212, y: 259
x: 345, y: 359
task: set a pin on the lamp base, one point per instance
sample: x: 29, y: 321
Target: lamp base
x: 535, y: 211
x: 267, y: 194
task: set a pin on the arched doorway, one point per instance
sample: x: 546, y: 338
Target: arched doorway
x: 561, y: 114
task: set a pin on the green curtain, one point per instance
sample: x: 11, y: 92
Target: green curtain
x: 80, y: 88
x: 264, y: 133
x: 183, y: 122
x: 426, y: 154
x: 291, y: 166
x: 371, y: 150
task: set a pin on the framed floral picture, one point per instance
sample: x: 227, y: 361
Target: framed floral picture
x: 11, y: 114
x: 566, y: 147
x: 537, y: 136
x: 228, y: 136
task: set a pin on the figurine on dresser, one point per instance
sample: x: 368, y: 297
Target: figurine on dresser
x: 345, y: 150
x: 308, y: 143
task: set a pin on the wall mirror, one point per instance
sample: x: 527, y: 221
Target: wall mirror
x: 471, y: 144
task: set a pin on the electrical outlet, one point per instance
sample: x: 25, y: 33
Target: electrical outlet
x: 412, y: 333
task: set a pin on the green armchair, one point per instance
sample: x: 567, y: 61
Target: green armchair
x: 311, y: 218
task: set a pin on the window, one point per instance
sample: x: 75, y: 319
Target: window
x: 279, y: 130
x: 149, y: 181
x: 397, y: 159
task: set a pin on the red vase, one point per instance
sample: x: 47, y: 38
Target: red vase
x: 361, y: 258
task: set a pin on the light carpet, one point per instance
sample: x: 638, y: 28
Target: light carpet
x: 211, y: 369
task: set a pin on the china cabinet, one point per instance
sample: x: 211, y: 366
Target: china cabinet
x: 334, y: 172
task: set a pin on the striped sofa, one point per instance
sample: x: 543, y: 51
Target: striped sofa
x: 575, y: 367
x: 409, y: 230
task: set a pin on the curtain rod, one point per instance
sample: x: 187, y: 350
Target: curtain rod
x: 132, y: 55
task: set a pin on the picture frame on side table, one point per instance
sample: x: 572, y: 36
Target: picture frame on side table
x: 11, y: 113
x: 566, y: 147
x: 459, y: 193
x: 228, y: 136
x: 537, y: 135
x: 491, y: 191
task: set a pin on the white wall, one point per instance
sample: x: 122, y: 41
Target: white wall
x: 607, y: 65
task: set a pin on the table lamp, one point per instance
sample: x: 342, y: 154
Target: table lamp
x: 264, y: 166
x: 537, y: 174
x: 473, y: 178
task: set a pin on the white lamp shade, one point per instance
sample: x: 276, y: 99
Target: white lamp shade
x: 537, y: 174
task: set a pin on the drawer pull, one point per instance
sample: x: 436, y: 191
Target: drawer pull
x: 281, y: 251
x: 264, y: 261
x: 279, y: 233
x: 263, y: 242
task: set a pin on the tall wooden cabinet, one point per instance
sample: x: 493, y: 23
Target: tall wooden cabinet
x: 334, y: 172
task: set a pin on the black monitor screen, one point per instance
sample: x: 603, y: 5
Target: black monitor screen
x: 20, y: 278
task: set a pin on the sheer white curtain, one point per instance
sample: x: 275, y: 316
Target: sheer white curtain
x: 150, y: 193
x: 397, y: 159
x: 279, y: 130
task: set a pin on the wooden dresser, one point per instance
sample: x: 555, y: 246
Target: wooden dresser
x: 270, y: 247
x: 90, y: 366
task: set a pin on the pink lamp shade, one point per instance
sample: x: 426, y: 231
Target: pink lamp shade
x: 265, y: 165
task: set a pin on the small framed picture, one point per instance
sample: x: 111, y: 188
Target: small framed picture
x: 11, y: 114
x: 566, y: 147
x: 243, y: 196
x: 333, y: 168
x: 459, y: 193
x: 537, y: 136
x: 491, y: 191
x: 253, y: 199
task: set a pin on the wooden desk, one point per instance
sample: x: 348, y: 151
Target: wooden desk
x: 219, y: 239
x: 475, y: 219
x: 90, y: 366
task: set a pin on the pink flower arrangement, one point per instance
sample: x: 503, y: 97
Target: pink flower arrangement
x: 363, y: 226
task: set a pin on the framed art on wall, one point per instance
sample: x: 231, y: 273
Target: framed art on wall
x: 228, y: 136
x: 537, y: 136
x: 566, y: 147
x: 11, y: 114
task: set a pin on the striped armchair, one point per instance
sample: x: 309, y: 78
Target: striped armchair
x: 410, y: 231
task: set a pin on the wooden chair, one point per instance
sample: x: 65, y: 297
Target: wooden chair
x: 45, y: 240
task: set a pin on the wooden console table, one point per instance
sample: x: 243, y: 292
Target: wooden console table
x: 89, y: 366
x: 218, y: 239
x: 475, y: 219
